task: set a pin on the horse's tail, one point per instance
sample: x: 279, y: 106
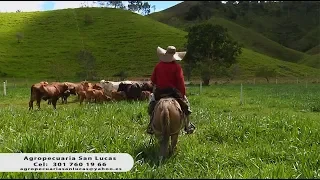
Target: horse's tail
x: 165, y: 118
x: 165, y: 128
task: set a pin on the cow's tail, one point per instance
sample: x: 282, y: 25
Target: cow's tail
x: 31, y: 92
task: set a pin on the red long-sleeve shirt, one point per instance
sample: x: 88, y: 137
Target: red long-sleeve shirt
x: 167, y: 75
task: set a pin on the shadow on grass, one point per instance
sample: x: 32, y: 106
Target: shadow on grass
x: 149, y: 153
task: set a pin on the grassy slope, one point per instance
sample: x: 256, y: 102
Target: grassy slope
x: 120, y: 40
x: 126, y: 41
x: 309, y: 41
x: 313, y: 61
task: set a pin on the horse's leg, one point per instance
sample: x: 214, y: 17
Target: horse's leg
x: 174, y: 140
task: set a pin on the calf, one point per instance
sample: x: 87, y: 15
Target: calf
x: 64, y: 97
x: 118, y: 96
x: 82, y: 96
x: 145, y: 95
x: 81, y: 87
x: 99, y: 96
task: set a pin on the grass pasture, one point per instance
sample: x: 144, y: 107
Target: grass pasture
x: 274, y: 134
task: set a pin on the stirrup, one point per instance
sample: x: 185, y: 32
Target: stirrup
x: 190, y: 129
x: 150, y: 130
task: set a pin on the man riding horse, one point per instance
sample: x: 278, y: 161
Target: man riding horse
x: 168, y: 80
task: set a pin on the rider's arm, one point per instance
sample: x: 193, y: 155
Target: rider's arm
x: 154, y: 76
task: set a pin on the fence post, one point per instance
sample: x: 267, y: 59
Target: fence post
x: 254, y: 81
x: 4, y: 88
x: 241, y: 98
x: 200, y: 87
x: 306, y: 83
x: 14, y: 82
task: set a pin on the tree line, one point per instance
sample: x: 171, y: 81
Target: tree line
x: 205, y: 9
x: 134, y: 6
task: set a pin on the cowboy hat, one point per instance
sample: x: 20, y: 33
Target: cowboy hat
x: 170, y: 54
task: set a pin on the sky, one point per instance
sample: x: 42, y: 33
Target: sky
x: 29, y: 6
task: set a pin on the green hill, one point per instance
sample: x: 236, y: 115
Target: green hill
x: 314, y: 50
x: 119, y: 40
x: 258, y: 42
x: 270, y: 28
x: 250, y: 61
x: 309, y: 41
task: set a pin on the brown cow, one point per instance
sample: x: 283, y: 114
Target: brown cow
x: 118, y: 96
x: 145, y: 95
x: 82, y: 96
x: 82, y: 86
x: 64, y: 97
x: 36, y: 94
x: 147, y: 86
x: 99, y: 96
x: 97, y: 86
x: 66, y: 94
x: 53, y: 91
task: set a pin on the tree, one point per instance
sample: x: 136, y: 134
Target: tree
x: 88, y: 63
x: 193, y: 13
x: 187, y: 70
x: 135, y: 6
x: 266, y: 72
x: 122, y: 75
x: 154, y: 8
x: 235, y: 71
x: 146, y: 8
x: 115, y: 3
x: 210, y: 48
x: 19, y: 36
x: 88, y: 19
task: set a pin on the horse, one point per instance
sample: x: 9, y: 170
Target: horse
x: 167, y: 121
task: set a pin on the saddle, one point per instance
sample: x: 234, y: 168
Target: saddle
x: 172, y: 93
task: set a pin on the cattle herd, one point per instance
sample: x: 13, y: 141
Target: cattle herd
x: 90, y: 92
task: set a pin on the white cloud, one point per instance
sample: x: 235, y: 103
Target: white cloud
x: 25, y: 6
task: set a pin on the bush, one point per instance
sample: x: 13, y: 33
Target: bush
x: 122, y: 74
x: 19, y: 36
x: 88, y: 19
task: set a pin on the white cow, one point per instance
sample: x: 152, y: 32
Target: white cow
x: 110, y: 86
